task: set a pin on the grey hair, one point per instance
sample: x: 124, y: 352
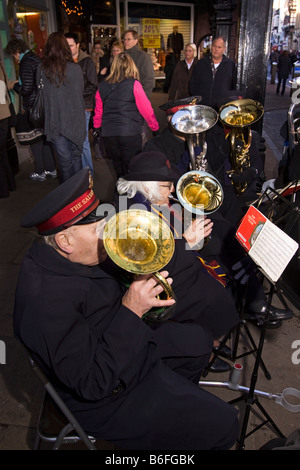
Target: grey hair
x: 223, y: 39
x: 149, y: 189
x: 50, y: 240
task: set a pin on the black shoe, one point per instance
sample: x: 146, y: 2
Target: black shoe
x: 272, y: 324
x: 275, y: 314
x: 220, y: 366
x: 225, y: 351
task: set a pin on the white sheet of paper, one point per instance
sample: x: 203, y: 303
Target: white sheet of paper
x: 272, y: 251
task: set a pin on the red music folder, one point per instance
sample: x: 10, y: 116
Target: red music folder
x: 269, y: 246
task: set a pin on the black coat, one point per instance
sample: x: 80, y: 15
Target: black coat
x: 27, y: 71
x: 284, y: 67
x: 179, y: 87
x: 212, y: 89
x: 124, y: 381
x: 168, y: 143
x: 90, y: 80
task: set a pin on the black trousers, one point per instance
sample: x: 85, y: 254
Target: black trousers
x: 7, y: 182
x: 120, y: 149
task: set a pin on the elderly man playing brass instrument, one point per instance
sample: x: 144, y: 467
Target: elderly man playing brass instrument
x: 124, y: 381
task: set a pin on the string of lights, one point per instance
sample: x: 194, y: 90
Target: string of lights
x: 72, y: 7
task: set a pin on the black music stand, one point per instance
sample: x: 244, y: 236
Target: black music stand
x: 284, y: 213
x: 236, y: 332
x: 249, y: 395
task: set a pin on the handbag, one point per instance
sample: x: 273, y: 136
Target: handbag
x: 37, y: 110
x: 12, y: 120
x: 25, y: 133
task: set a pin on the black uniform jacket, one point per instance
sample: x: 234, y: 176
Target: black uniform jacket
x: 107, y: 360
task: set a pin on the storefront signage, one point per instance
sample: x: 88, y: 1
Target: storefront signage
x: 148, y: 10
x: 151, y: 33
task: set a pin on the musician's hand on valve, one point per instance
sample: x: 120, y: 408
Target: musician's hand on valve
x: 197, y: 231
x: 141, y: 295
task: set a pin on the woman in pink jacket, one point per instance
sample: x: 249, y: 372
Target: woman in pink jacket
x: 120, y: 110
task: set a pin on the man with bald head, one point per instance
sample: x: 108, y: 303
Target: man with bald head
x: 214, y: 75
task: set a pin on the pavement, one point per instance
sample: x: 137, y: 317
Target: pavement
x: 20, y: 390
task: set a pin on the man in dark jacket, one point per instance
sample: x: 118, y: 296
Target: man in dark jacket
x: 125, y: 382
x: 213, y: 75
x: 90, y: 87
x: 284, y: 68
x: 141, y: 59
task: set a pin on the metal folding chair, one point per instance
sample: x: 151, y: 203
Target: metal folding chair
x: 56, y: 423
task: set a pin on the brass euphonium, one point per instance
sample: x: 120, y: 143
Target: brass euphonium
x: 192, y: 122
x: 197, y: 190
x: 238, y: 115
x: 140, y: 242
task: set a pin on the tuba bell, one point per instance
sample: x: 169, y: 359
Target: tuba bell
x: 199, y: 192
x: 140, y: 242
x: 193, y: 121
x: 238, y: 115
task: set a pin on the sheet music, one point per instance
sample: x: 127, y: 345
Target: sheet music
x: 269, y: 246
x: 272, y: 251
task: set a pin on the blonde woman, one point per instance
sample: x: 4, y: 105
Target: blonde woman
x: 121, y: 107
x: 179, y: 87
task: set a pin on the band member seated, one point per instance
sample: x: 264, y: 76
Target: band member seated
x: 124, y: 381
x: 150, y: 183
x: 223, y: 247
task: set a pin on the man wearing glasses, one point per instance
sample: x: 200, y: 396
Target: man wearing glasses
x: 141, y: 59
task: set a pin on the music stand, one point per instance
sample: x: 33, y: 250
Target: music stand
x: 249, y: 396
x: 236, y: 332
x: 282, y: 211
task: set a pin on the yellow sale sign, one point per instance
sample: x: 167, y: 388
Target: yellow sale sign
x: 151, y: 32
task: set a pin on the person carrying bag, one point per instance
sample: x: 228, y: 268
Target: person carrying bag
x: 28, y: 90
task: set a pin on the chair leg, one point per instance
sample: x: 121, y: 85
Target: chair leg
x: 59, y: 441
x: 37, y: 442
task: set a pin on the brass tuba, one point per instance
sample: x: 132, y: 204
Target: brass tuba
x: 193, y: 121
x: 140, y: 242
x: 238, y: 115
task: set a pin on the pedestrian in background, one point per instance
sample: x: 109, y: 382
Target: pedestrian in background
x: 284, y: 68
x: 90, y: 87
x: 214, y: 75
x: 121, y: 107
x: 181, y: 77
x: 26, y: 88
x: 141, y: 59
x: 64, y: 104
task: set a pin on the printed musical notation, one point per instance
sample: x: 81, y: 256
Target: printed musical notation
x: 269, y: 246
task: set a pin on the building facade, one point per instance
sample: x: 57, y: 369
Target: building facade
x: 286, y: 25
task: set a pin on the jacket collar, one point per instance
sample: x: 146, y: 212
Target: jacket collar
x: 48, y: 258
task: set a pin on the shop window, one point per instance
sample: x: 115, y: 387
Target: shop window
x: 28, y: 24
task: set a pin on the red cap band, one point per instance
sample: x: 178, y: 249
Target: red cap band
x: 177, y: 108
x: 75, y: 211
